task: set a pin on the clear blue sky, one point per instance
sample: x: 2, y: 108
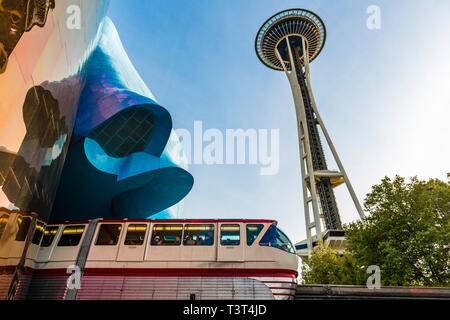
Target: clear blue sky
x: 384, y: 95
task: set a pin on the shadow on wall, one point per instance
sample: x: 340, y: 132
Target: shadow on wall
x: 27, y: 177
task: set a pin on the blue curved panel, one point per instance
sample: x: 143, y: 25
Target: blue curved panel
x: 124, y: 159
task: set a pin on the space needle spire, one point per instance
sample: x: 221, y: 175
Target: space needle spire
x: 288, y: 42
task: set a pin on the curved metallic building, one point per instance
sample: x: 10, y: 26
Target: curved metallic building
x: 124, y: 159
x: 81, y: 136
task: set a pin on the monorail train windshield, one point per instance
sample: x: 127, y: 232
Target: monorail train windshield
x: 276, y: 238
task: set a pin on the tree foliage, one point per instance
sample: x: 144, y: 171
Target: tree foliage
x: 406, y: 234
x: 326, y: 266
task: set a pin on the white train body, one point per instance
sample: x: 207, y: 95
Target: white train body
x: 149, y: 259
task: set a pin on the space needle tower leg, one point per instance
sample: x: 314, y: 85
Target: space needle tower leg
x: 306, y: 164
x: 330, y: 142
x: 288, y: 41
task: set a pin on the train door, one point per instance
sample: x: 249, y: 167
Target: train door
x: 230, y: 245
x: 132, y: 246
x: 69, y: 243
x: 199, y: 243
x: 51, y: 236
x: 164, y: 242
x: 106, y: 241
x: 33, y: 249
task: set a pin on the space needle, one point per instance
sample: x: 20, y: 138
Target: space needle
x: 288, y: 42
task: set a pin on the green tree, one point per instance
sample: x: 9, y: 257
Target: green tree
x: 326, y: 266
x: 406, y: 234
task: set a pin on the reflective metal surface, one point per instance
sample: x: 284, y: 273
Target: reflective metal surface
x: 62, y: 87
x: 124, y: 160
x: 41, y: 81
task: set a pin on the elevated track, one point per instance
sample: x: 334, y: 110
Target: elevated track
x: 339, y: 292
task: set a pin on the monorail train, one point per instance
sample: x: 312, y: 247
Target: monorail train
x: 146, y: 259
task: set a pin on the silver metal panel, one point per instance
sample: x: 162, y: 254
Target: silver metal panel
x: 47, y: 288
x: 172, y: 288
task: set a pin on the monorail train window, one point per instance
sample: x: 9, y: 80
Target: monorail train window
x: 274, y: 237
x: 108, y: 235
x: 71, y: 236
x: 253, y: 231
x: 135, y: 234
x: 230, y: 235
x: 3, y: 222
x: 198, y: 235
x: 38, y: 233
x: 24, y: 224
x: 167, y: 234
x: 49, y: 235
